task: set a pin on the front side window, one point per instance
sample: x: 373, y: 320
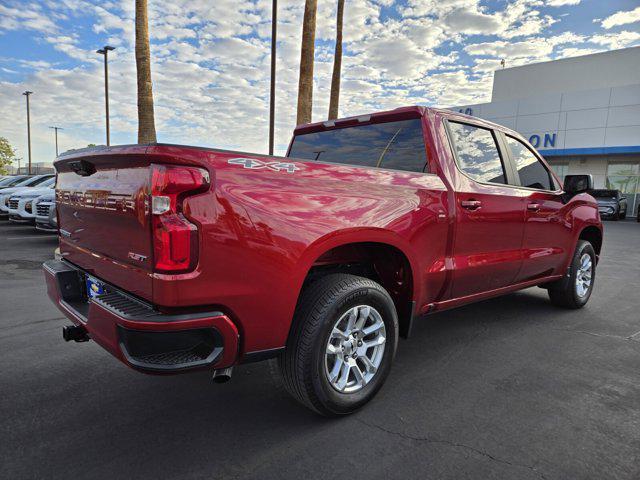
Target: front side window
x: 393, y: 145
x: 533, y: 173
x: 477, y: 153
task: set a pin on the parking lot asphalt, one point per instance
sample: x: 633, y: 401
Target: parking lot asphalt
x: 510, y: 388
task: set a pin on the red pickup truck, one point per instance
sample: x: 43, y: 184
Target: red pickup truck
x: 177, y: 258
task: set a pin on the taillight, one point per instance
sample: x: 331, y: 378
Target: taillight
x: 175, y: 239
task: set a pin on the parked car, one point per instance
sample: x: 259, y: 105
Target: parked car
x: 20, y: 203
x: 28, y: 182
x: 176, y: 258
x: 611, y: 203
x: 11, y: 181
x: 45, y: 208
x: 638, y: 218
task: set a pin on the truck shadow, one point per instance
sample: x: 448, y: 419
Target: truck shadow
x: 189, y: 421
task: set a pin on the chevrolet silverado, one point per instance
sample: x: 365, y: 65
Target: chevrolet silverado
x: 177, y: 258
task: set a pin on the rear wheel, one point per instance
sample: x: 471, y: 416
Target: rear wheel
x: 342, y: 344
x: 574, y: 290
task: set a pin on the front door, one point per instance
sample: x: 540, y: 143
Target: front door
x: 547, y: 236
x: 489, y: 214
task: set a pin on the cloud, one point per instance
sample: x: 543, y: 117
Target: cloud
x: 562, y: 3
x: 210, y: 65
x: 621, y: 18
x: 27, y: 16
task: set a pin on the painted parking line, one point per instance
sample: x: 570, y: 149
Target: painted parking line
x: 31, y: 236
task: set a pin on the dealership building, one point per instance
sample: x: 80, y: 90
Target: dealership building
x: 581, y: 113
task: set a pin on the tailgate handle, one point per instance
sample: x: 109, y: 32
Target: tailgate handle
x: 82, y: 167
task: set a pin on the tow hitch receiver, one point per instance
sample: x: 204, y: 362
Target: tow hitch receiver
x: 75, y: 333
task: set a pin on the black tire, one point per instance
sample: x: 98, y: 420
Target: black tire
x: 623, y: 215
x: 302, y: 364
x: 563, y: 293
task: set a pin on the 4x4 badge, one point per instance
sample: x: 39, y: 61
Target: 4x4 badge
x: 254, y: 164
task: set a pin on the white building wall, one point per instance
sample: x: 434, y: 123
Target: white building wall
x: 582, y: 114
x: 587, y: 72
x: 605, y: 117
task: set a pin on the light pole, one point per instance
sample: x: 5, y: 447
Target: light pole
x: 26, y: 94
x: 56, y: 130
x: 105, y: 51
x: 272, y: 99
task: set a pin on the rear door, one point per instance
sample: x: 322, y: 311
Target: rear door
x: 489, y: 212
x: 547, y: 236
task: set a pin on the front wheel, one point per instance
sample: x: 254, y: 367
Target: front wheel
x: 574, y: 290
x: 342, y: 344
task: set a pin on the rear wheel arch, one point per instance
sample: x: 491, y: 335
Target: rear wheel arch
x: 593, y: 235
x: 384, y: 263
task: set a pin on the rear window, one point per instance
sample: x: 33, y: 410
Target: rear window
x: 392, y: 145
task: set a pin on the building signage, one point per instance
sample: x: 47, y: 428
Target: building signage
x: 545, y: 141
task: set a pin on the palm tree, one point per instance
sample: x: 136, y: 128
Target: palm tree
x: 305, y: 84
x: 146, y: 123
x: 334, y: 97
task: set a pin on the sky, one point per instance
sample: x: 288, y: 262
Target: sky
x: 210, y: 61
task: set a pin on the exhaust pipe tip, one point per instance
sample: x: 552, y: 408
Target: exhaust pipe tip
x: 75, y: 333
x: 222, y: 375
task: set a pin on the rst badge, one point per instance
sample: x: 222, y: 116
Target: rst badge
x: 255, y: 164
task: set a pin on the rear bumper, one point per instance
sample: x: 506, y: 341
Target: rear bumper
x: 138, y: 335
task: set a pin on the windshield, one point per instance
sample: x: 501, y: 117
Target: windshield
x: 49, y: 182
x: 604, y: 193
x: 393, y: 145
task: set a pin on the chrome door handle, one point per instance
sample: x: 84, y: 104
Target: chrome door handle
x: 471, y: 204
x: 533, y: 207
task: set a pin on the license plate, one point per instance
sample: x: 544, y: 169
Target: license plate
x: 94, y: 287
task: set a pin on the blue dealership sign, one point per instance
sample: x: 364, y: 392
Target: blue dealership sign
x: 549, y: 140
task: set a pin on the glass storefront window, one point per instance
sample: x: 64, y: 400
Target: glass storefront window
x: 626, y: 178
x: 623, y: 169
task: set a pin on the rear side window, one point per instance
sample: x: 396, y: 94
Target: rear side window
x: 393, y: 145
x: 477, y: 153
x: 532, y: 172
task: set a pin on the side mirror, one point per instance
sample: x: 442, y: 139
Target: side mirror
x: 575, y: 184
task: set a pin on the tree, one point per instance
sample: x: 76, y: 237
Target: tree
x: 146, y: 123
x: 334, y: 96
x: 307, y: 52
x: 7, y: 155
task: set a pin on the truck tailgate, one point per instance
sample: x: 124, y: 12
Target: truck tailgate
x: 104, y: 216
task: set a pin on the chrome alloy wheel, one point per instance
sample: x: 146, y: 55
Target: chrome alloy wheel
x: 583, y: 275
x: 355, y: 349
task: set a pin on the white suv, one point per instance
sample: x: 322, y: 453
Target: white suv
x: 27, y: 184
x: 20, y: 203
